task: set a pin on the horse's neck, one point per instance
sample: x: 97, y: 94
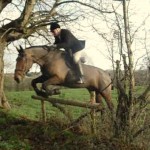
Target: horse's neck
x: 41, y: 55
x: 38, y: 53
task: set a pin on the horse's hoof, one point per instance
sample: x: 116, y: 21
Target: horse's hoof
x: 53, y: 92
x: 57, y: 92
x: 43, y: 94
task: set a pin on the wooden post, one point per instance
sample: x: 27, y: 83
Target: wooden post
x: 43, y: 110
x: 92, y: 114
x: 95, y: 107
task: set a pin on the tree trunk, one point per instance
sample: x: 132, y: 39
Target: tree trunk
x: 125, y: 95
x: 3, y: 101
x: 130, y: 58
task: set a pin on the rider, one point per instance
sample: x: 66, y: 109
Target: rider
x: 65, y: 39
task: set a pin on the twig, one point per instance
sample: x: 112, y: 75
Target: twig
x: 141, y: 130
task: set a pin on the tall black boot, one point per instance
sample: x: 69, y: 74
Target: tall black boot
x: 80, y: 73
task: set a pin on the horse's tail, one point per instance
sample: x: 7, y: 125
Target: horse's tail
x: 107, y: 78
x: 112, y: 82
x: 112, y: 85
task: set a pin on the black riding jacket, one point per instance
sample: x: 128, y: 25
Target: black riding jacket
x: 68, y: 41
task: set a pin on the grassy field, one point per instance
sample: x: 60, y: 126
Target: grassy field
x: 23, y: 105
x: 22, y: 128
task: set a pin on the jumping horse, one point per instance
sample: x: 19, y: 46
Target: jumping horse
x: 56, y: 69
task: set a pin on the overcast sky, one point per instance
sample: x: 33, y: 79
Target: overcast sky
x: 96, y: 49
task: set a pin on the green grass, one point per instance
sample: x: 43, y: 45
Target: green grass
x: 23, y: 105
x: 21, y: 128
x: 24, y: 121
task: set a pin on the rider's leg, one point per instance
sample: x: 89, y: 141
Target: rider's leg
x: 76, y: 58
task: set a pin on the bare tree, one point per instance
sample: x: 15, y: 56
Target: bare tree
x: 121, y: 36
x: 34, y: 15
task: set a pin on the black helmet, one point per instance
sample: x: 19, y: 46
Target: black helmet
x: 54, y: 25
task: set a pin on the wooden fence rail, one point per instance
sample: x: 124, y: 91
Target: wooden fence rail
x: 56, y: 103
x: 69, y: 102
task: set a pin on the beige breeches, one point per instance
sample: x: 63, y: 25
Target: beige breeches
x: 77, y: 56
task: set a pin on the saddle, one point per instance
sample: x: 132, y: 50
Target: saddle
x: 69, y: 60
x: 73, y: 75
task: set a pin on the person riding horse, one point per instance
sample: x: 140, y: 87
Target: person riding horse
x: 65, y: 39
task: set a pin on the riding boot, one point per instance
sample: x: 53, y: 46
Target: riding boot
x: 80, y: 73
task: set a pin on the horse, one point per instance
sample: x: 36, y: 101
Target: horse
x: 57, y: 69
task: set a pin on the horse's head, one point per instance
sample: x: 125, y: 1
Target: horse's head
x: 23, y: 64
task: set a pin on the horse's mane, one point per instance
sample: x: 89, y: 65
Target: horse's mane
x: 40, y: 46
x: 47, y: 49
x: 44, y: 47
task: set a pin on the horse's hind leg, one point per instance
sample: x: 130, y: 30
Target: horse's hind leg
x: 92, y: 97
x: 95, y: 97
x: 107, y: 97
x: 99, y: 100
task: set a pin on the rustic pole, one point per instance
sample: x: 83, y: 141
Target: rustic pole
x: 43, y: 111
x: 92, y: 114
x: 69, y: 102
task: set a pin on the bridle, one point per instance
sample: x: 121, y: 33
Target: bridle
x: 24, y: 69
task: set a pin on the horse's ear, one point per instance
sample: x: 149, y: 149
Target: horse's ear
x: 20, y: 49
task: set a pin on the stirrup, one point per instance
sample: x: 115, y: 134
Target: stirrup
x: 80, y: 81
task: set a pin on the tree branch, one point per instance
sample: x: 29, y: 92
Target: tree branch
x: 3, y: 4
x: 25, y: 25
x: 145, y: 94
x: 84, y: 4
x: 29, y: 5
x: 141, y: 130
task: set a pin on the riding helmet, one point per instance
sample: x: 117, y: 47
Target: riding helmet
x: 54, y: 25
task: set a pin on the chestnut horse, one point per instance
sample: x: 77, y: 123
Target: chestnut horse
x: 56, y: 69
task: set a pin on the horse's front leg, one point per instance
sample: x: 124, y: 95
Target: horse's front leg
x: 51, y: 81
x: 34, y: 82
x: 92, y: 97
